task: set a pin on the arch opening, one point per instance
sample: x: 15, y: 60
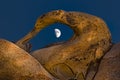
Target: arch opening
x: 47, y: 37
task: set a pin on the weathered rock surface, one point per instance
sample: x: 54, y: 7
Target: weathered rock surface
x: 17, y: 64
x: 71, y: 59
x: 109, y: 68
x: 75, y: 59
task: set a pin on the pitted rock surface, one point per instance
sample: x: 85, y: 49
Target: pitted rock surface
x: 72, y: 59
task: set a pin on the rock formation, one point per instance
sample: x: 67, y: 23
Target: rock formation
x: 72, y: 58
x: 17, y: 64
x: 109, y: 68
x: 84, y: 57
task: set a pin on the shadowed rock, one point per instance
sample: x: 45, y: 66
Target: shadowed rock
x: 109, y: 68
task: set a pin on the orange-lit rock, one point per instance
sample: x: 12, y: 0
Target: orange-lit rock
x: 72, y: 59
x: 17, y: 64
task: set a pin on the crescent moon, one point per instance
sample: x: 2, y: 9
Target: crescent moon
x: 57, y: 32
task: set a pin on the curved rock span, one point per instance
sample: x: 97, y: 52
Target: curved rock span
x: 74, y: 58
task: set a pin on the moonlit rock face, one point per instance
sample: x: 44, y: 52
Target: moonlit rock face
x: 57, y: 32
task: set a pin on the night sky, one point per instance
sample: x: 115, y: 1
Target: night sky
x: 17, y: 18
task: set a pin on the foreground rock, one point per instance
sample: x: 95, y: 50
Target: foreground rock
x: 109, y: 68
x: 17, y: 64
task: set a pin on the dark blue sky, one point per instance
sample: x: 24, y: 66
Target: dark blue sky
x: 17, y: 17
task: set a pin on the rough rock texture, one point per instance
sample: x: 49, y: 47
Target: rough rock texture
x: 72, y: 59
x: 17, y: 64
x: 109, y: 68
x: 75, y: 59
